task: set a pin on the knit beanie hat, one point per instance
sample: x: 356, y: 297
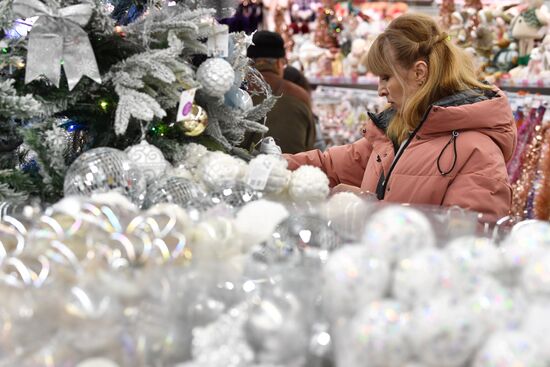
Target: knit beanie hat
x: 266, y: 44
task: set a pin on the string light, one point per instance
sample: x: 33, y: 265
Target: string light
x: 104, y: 105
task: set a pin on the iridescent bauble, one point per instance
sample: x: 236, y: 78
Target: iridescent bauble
x: 526, y: 241
x: 510, y: 349
x: 174, y: 189
x: 419, y: 277
x: 446, y: 332
x: 148, y: 159
x: 535, y: 279
x: 474, y: 255
x: 536, y: 324
x: 352, y: 280
x: 102, y: 170
x: 239, y: 99
x: 234, y: 194
x: 195, y: 122
x: 216, y: 76
x: 378, y: 336
x: 396, y: 232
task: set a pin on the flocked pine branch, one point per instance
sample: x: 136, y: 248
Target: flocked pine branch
x: 6, y: 13
x: 12, y: 105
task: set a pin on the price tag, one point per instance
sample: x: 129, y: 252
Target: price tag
x: 258, y: 173
x: 186, y: 104
x: 218, y: 43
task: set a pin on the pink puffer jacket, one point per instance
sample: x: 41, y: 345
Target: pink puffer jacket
x: 457, y: 157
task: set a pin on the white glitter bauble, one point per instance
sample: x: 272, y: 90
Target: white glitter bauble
x: 148, y: 159
x: 535, y: 279
x: 378, y: 336
x: 525, y: 242
x: 536, y: 324
x: 192, y: 155
x: 97, y: 362
x: 217, y: 169
x: 446, y: 332
x: 105, y: 169
x: 352, y: 279
x: 347, y: 212
x: 396, y: 232
x: 216, y: 76
x: 279, y: 176
x: 424, y: 274
x: 308, y: 183
x: 474, y: 255
x: 509, y: 349
x: 177, y: 190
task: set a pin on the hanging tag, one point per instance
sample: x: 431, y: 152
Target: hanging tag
x: 218, y: 43
x: 258, y: 173
x: 186, y: 104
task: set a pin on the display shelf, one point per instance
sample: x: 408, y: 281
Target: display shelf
x: 369, y: 83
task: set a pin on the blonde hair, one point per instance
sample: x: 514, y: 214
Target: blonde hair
x: 408, y: 39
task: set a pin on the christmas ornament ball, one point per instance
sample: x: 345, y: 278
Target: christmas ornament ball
x: 509, y: 349
x: 148, y: 159
x: 173, y: 189
x: 195, y: 122
x: 105, y: 169
x: 216, y: 76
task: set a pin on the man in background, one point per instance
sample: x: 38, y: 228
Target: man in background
x: 290, y: 122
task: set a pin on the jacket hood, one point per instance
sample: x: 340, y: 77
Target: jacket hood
x: 487, y: 112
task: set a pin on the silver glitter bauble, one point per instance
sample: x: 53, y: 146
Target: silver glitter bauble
x: 235, y: 194
x: 148, y: 159
x: 174, y: 189
x: 105, y: 169
x: 216, y: 76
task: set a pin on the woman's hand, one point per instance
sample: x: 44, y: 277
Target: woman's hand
x: 346, y: 188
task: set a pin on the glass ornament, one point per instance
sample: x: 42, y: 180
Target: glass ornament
x: 239, y: 99
x: 195, y: 121
x: 352, y: 280
x: 527, y: 240
x: 174, y: 189
x: 509, y: 349
x: 234, y: 193
x: 105, y: 169
x: 396, y: 232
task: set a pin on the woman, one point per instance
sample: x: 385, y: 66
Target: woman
x: 446, y: 137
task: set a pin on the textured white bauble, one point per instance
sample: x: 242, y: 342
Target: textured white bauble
x: 347, y: 213
x: 446, y: 333
x: 395, y: 232
x: 421, y: 276
x: 279, y: 176
x: 352, y: 280
x: 525, y: 242
x: 216, y: 76
x: 379, y: 336
x: 535, y: 279
x: 148, y: 159
x: 218, y: 169
x: 192, y: 156
x: 509, y: 349
x: 308, y: 183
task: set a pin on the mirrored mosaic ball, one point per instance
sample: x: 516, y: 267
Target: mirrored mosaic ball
x: 105, y: 169
x: 234, y: 193
x: 174, y: 189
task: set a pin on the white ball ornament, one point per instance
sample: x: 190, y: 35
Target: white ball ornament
x: 379, y: 336
x: 192, y: 155
x: 424, y: 274
x: 279, y: 175
x: 536, y: 324
x: 217, y: 169
x: 395, y: 232
x: 148, y: 159
x: 308, y: 183
x: 525, y: 242
x: 347, y: 213
x: 216, y: 76
x: 509, y: 349
x: 352, y: 279
x: 535, y: 279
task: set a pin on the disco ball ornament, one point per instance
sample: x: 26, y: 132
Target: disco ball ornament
x: 234, y: 193
x: 174, y: 189
x: 446, y: 332
x: 148, y: 159
x: 410, y: 231
x: 419, y: 277
x: 510, y: 349
x: 378, y: 336
x: 216, y: 76
x: 353, y: 279
x: 195, y: 121
x: 105, y: 169
x: 526, y: 241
